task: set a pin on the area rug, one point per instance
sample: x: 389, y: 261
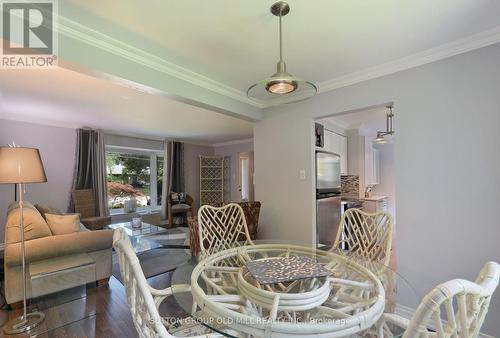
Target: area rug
x: 161, y: 259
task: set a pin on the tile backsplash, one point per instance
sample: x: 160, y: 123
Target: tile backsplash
x: 350, y: 186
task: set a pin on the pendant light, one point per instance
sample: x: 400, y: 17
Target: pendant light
x: 389, y: 129
x: 281, y: 87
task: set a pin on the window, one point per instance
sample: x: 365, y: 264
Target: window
x: 137, y: 173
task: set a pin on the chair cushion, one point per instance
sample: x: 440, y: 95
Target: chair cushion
x: 180, y: 207
x: 63, y: 224
x: 34, y: 224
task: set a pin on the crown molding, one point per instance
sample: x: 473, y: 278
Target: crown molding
x: 444, y: 51
x: 102, y: 41
x: 230, y: 143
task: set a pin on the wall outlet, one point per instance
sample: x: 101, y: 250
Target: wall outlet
x: 302, y: 174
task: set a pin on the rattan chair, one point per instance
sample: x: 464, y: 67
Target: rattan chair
x: 84, y: 202
x: 250, y: 209
x: 184, y: 208
x: 220, y: 228
x: 453, y: 309
x: 366, y: 235
x: 144, y: 300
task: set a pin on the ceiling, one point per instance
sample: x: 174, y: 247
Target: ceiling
x: 368, y: 121
x: 235, y: 42
x: 66, y: 98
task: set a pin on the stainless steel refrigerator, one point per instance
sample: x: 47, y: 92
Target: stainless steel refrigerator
x: 328, y: 197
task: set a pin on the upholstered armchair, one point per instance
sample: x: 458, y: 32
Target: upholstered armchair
x: 251, y: 211
x: 84, y: 202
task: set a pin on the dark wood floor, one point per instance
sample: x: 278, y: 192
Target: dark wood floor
x: 90, y: 312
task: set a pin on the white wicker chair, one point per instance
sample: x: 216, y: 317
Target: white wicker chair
x: 144, y: 300
x: 220, y: 228
x: 366, y: 235
x: 455, y: 309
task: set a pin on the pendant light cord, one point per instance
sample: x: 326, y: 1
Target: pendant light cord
x: 281, y: 40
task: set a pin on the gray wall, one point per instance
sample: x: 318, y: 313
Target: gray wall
x: 233, y: 150
x: 447, y: 122
x: 192, y: 169
x: 57, y: 148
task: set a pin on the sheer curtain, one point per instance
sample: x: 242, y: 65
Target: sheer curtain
x: 90, y: 167
x: 173, y: 173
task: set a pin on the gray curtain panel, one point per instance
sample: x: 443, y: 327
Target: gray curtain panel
x: 90, y: 167
x: 173, y: 175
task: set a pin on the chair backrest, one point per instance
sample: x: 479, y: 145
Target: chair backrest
x: 84, y: 202
x: 146, y: 318
x: 188, y: 199
x: 367, y: 235
x: 221, y: 227
x: 251, y: 209
x: 456, y: 308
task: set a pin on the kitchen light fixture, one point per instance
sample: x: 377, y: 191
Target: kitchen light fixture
x: 281, y: 87
x: 389, y: 129
x: 380, y: 138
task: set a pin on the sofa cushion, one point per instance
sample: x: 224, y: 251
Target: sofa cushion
x: 47, y: 210
x: 63, y: 224
x: 34, y: 224
x: 57, y: 246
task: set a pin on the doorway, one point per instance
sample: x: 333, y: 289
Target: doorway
x: 245, y: 176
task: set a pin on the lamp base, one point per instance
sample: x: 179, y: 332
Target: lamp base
x: 20, y: 324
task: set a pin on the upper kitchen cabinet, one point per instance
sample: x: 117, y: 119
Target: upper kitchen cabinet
x: 336, y: 143
x: 343, y: 155
x: 372, y: 164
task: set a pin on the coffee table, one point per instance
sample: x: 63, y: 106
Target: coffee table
x: 139, y: 236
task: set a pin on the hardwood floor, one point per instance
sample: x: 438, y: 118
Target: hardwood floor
x: 90, y: 312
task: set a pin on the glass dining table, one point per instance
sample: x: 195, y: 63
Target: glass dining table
x: 284, y: 289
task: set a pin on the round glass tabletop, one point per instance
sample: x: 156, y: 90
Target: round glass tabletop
x: 289, y: 289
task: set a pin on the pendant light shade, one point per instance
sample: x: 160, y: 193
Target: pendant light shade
x: 281, y: 87
x: 380, y: 138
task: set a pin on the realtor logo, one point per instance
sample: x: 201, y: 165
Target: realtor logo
x: 28, y: 32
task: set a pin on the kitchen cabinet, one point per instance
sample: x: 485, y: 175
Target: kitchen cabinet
x: 336, y: 143
x: 343, y: 155
x: 372, y: 165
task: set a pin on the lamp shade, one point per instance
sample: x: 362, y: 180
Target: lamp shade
x: 21, y: 165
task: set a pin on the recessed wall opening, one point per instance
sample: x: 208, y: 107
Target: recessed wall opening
x: 353, y: 168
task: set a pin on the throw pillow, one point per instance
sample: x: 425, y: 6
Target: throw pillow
x: 63, y: 224
x: 178, y: 197
x: 47, y: 210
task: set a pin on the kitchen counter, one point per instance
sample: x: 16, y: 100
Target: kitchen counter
x: 351, y: 202
x: 373, y: 198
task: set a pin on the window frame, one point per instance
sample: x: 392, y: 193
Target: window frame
x: 153, y: 155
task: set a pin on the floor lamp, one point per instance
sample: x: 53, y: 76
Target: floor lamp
x: 19, y: 165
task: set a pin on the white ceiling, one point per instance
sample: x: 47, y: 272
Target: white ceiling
x: 66, y: 98
x: 368, y: 121
x: 235, y: 42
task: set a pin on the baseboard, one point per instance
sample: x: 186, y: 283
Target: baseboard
x: 407, y: 312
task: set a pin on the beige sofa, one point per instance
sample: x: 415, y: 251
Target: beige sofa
x: 54, y: 262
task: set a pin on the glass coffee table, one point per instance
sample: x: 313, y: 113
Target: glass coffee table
x: 140, y: 237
